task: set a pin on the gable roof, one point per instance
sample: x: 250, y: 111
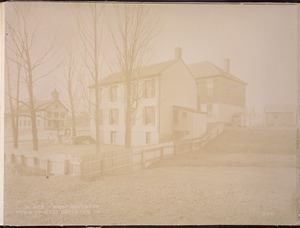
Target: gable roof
x: 40, y: 105
x: 143, y: 72
x: 206, y: 69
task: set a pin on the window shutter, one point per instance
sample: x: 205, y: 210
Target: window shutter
x: 115, y: 93
x: 110, y: 94
x: 144, y: 116
x: 153, y: 88
x: 153, y: 116
x: 145, y: 89
x: 110, y: 116
x: 100, y: 117
x: 117, y: 116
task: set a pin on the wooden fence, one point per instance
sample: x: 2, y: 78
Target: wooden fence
x: 183, y: 146
x: 124, y: 160
x: 116, y: 161
x: 60, y: 165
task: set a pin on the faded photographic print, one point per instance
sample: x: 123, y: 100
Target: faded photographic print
x: 150, y: 114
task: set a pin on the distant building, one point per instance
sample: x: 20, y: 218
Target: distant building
x: 164, y: 88
x: 220, y: 94
x: 51, y: 114
x: 280, y: 115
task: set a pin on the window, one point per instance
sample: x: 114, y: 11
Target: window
x: 209, y: 87
x: 56, y: 115
x: 113, y: 136
x: 148, y: 137
x: 49, y: 114
x: 113, y: 93
x: 175, y: 120
x: 62, y: 123
x: 184, y: 114
x: 62, y: 115
x: 135, y: 91
x: 49, y: 123
x: 209, y: 110
x: 114, y: 116
x: 149, y: 116
x: 29, y: 122
x: 100, y: 117
x: 38, y: 123
x: 100, y: 96
x: 150, y: 88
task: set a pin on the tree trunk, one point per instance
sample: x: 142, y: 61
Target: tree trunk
x: 73, y: 124
x: 71, y: 99
x: 97, y: 100
x: 35, y: 141
x: 13, y: 113
x: 128, y: 119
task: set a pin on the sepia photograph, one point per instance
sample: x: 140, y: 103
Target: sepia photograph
x: 150, y: 114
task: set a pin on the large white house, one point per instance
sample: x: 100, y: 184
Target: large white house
x: 162, y: 88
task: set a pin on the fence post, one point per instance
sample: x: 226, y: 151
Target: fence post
x: 48, y: 167
x: 66, y: 167
x: 174, y: 146
x: 82, y: 174
x: 23, y: 160
x: 13, y: 158
x: 35, y: 162
x: 102, y: 165
x: 143, y: 159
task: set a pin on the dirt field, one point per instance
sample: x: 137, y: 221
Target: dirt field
x: 248, y: 180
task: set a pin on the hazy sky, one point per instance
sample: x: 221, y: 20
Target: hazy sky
x: 259, y: 40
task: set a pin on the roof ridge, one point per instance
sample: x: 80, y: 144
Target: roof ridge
x: 219, y: 71
x: 147, y: 70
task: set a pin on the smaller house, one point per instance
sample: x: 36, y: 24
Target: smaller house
x: 280, y: 115
x: 219, y: 93
x: 51, y: 114
x: 188, y: 123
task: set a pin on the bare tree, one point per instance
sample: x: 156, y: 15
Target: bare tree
x: 14, y: 103
x: 135, y: 32
x: 90, y: 32
x: 23, y: 36
x: 72, y: 83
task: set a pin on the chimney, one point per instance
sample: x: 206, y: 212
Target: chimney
x: 178, y: 52
x: 227, y: 65
x: 55, y: 95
